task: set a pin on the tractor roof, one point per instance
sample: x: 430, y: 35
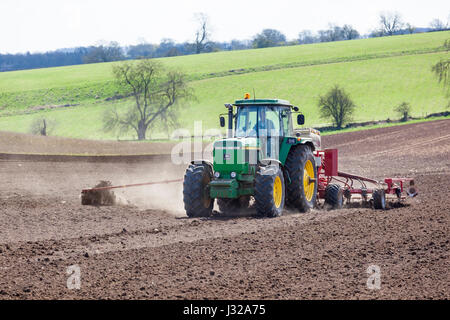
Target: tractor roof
x: 256, y: 102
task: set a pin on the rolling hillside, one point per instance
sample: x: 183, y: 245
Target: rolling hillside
x: 378, y: 73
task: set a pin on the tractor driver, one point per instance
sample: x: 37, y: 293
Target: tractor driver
x: 265, y: 126
x: 266, y: 129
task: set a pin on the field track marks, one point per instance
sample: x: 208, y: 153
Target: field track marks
x: 409, y: 147
x: 391, y: 136
x: 195, y: 230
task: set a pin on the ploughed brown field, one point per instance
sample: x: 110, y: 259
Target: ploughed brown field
x: 150, y: 250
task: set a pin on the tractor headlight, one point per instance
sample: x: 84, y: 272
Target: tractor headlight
x: 217, y: 174
x: 233, y: 174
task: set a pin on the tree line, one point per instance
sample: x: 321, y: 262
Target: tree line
x: 112, y: 52
x: 390, y: 23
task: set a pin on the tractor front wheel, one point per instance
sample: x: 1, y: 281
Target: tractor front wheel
x: 197, y: 201
x: 269, y: 191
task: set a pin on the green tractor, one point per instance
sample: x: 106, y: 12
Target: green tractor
x: 263, y: 157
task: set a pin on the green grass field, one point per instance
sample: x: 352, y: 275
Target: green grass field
x: 378, y: 73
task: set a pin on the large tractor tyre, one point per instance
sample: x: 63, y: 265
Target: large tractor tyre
x: 197, y: 201
x: 227, y: 206
x: 302, y: 170
x: 379, y: 199
x: 334, y: 196
x: 269, y: 191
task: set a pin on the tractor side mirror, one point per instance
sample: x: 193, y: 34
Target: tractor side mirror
x: 222, y: 122
x: 301, y: 119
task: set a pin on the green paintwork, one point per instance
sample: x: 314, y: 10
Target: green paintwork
x: 230, y: 188
x: 242, y: 184
x: 285, y: 147
x: 230, y: 154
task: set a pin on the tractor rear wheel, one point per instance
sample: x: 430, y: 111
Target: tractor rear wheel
x: 334, y: 196
x: 301, y: 167
x: 269, y: 191
x: 197, y: 201
x: 379, y: 199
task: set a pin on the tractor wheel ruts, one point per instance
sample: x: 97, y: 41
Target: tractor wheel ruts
x: 197, y: 201
x: 379, y: 199
x: 302, y: 191
x: 269, y: 191
x: 334, y: 196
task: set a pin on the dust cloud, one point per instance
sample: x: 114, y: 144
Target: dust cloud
x: 167, y: 197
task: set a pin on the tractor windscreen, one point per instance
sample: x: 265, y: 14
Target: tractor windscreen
x: 246, y: 122
x: 255, y: 121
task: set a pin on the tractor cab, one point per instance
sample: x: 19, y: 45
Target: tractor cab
x: 264, y: 125
x: 263, y: 118
x: 269, y: 121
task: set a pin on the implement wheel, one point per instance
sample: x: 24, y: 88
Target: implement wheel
x: 302, y: 191
x: 334, y: 196
x: 269, y: 191
x: 197, y: 201
x: 379, y: 199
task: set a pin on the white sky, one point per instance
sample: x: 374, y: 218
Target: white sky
x: 27, y: 25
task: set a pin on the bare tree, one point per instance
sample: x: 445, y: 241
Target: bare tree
x: 269, y: 38
x: 390, y: 23
x: 438, y: 25
x: 333, y: 33
x: 442, y: 69
x: 349, y: 33
x: 155, y: 91
x: 410, y: 28
x: 104, y: 53
x: 42, y: 126
x: 337, y: 105
x: 404, y: 109
x: 202, y: 34
x: 306, y: 37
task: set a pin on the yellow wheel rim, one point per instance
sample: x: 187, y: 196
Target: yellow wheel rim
x: 277, y: 191
x: 308, y: 185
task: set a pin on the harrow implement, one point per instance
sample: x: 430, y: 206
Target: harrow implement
x: 345, y: 185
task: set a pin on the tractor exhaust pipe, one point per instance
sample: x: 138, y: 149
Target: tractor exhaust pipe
x: 230, y: 120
